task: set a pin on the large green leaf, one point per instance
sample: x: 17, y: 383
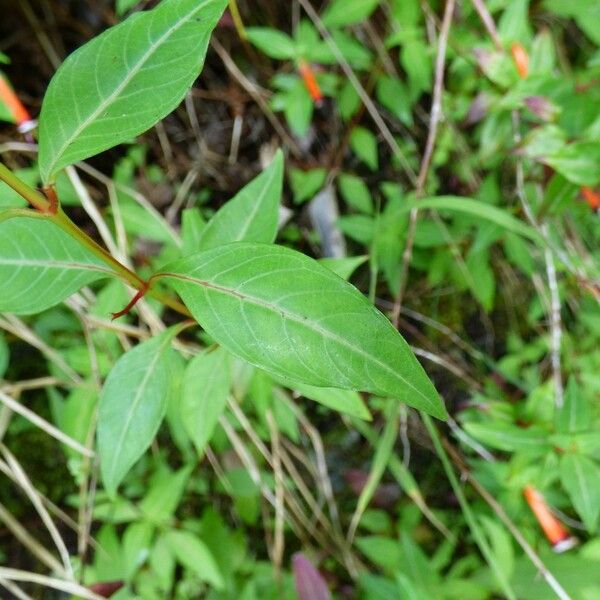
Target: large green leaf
x: 287, y: 314
x: 252, y: 215
x: 132, y: 405
x: 205, y: 388
x: 40, y: 265
x: 580, y: 476
x: 124, y: 81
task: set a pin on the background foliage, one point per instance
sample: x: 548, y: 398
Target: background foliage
x: 449, y: 168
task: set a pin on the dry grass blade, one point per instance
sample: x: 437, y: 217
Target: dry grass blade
x: 68, y: 587
x: 25, y: 483
x: 32, y: 417
x: 30, y: 542
x: 17, y: 327
x: 15, y: 590
x: 360, y: 90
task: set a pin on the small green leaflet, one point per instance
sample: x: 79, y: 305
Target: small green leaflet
x: 575, y: 415
x: 383, y: 452
x: 285, y: 313
x: 124, y: 81
x: 132, y: 406
x: 578, y: 162
x: 252, y: 215
x: 348, y: 12
x: 344, y: 267
x: 205, y: 388
x: 580, y: 477
x: 40, y: 266
x: 164, y: 494
x: 194, y: 554
x: 345, y: 401
x: 273, y: 43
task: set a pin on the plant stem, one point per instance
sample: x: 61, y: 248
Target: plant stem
x: 37, y: 200
x: 470, y: 518
x: 45, y: 209
x: 60, y: 219
x: 63, y: 221
x: 237, y: 19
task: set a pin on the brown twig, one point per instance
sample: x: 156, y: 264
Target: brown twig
x: 488, y: 22
x: 436, y: 113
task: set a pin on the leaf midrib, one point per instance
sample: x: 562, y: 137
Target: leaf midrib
x: 55, y: 265
x: 111, y: 97
x: 136, y: 400
x: 257, y: 205
x: 300, y: 319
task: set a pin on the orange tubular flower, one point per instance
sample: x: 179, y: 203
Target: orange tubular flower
x: 24, y: 121
x: 310, y: 81
x: 521, y: 59
x: 591, y: 197
x: 555, y: 531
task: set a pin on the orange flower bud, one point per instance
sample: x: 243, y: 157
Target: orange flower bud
x: 521, y: 59
x: 14, y: 105
x: 555, y: 531
x: 310, y: 81
x: 591, y: 197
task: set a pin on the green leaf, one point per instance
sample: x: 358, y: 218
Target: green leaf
x: 132, y: 405
x: 205, y: 388
x: 383, y: 452
x: 416, y: 61
x: 509, y: 438
x: 580, y: 478
x: 11, y: 199
x: 275, y: 44
x: 344, y: 401
x: 40, y: 265
x: 514, y: 22
x: 144, y: 224
x: 192, y: 225
x: 252, y: 215
x: 162, y: 563
x: 501, y: 545
x: 306, y: 184
x: 77, y: 416
x: 285, y: 313
x: 578, y: 162
x: 344, y: 267
x: 356, y: 193
x: 298, y: 108
x: 348, y: 12
x: 124, y: 81
x: 137, y: 541
x: 474, y: 208
x: 193, y: 553
x: 5, y: 112
x: 575, y: 414
x: 164, y: 494
x: 4, y: 355
x: 124, y: 6
x: 364, y: 144
x: 393, y: 94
